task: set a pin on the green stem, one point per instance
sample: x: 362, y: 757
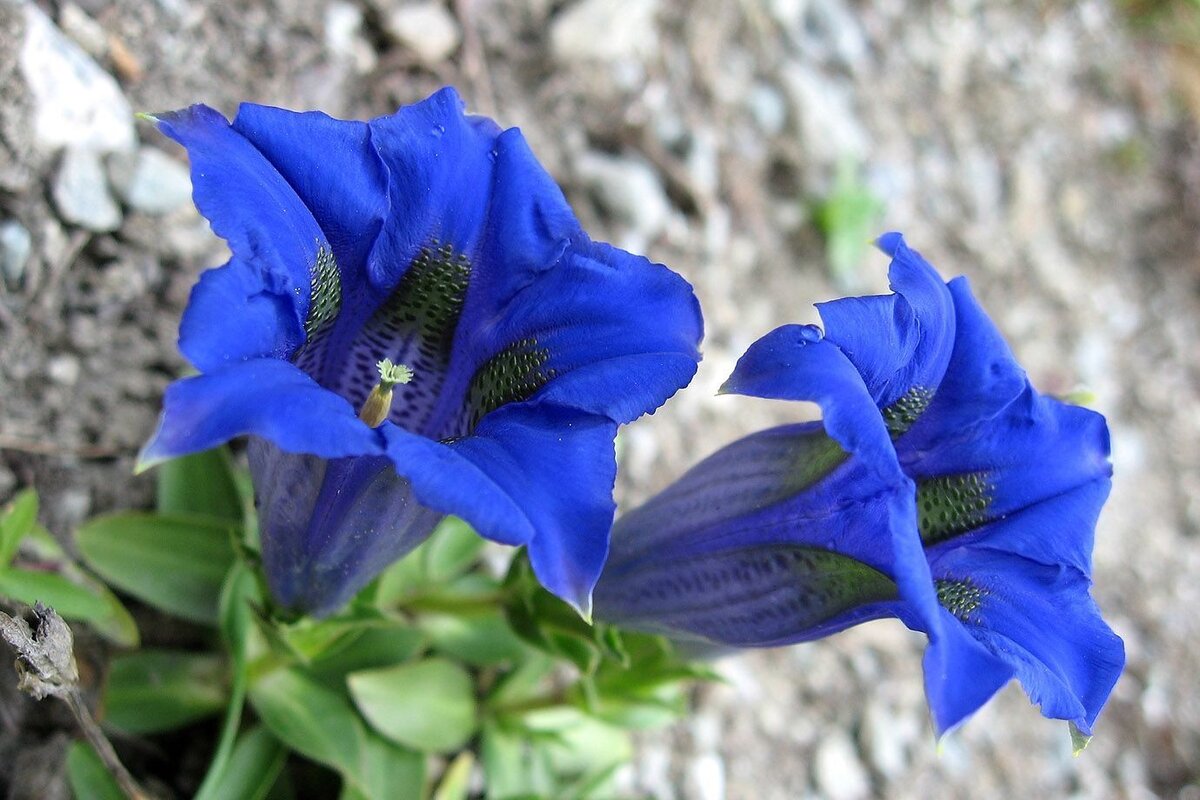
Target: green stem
x: 449, y: 604
x: 229, y: 731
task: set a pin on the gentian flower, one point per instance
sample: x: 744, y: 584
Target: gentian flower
x: 940, y: 488
x: 412, y: 324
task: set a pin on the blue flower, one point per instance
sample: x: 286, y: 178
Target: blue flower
x: 940, y: 488
x: 435, y: 240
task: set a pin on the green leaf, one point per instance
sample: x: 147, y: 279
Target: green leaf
x: 176, y: 564
x: 581, y: 749
x: 479, y: 639
x: 74, y: 593
x: 240, y: 594
x: 254, y: 767
x: 16, y: 521
x: 88, y: 778
x: 388, y: 772
x: 429, y: 705
x: 372, y: 648
x: 321, y: 724
x: 511, y: 768
x: 456, y: 780
x: 159, y: 690
x: 69, y: 600
x: 315, y: 721
x: 848, y: 218
x: 449, y: 551
x: 200, y: 484
x: 523, y: 684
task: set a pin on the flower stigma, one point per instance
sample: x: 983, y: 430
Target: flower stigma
x: 379, y: 402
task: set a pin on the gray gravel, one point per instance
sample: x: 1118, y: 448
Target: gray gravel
x: 1043, y: 150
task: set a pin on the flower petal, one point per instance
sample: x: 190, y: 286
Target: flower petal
x: 1043, y: 473
x: 960, y: 674
x: 794, y: 362
x: 541, y: 478
x: 1041, y: 622
x: 273, y: 236
x: 619, y: 333
x: 980, y: 381
x: 264, y: 397
x: 901, y: 342
x: 439, y: 165
x: 759, y: 596
x: 333, y: 167
x: 330, y: 526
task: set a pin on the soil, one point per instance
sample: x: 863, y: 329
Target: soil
x: 1048, y: 150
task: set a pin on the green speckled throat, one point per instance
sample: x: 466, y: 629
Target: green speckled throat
x: 951, y: 505
x: 903, y: 414
x: 960, y: 597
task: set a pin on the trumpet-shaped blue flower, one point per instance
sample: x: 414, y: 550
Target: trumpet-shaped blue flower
x: 940, y: 488
x: 436, y: 241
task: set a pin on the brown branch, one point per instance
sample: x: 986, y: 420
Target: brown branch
x: 46, y: 668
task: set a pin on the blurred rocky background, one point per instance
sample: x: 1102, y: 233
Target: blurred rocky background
x: 1049, y: 150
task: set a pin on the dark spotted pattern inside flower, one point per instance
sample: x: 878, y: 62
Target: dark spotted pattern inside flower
x: 324, y: 303
x: 414, y: 326
x: 952, y: 504
x: 510, y: 376
x: 960, y: 597
x: 902, y: 414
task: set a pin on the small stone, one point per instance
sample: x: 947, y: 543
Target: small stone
x: 89, y: 34
x: 768, y: 108
x: 830, y: 129
x: 706, y: 778
x: 76, y: 103
x: 628, y: 189
x: 64, y: 369
x: 427, y: 29
x: 150, y: 181
x: 15, y: 247
x: 839, y: 772
x: 81, y: 192
x: 343, y: 36
x: 615, y: 31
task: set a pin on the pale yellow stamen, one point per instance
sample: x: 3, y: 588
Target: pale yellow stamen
x: 379, y: 402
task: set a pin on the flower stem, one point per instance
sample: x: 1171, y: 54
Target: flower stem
x: 229, y: 730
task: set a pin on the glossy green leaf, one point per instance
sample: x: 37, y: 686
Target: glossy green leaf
x: 581, y: 749
x: 456, y: 780
x: 320, y: 723
x: 176, y: 564
x: 69, y: 600
x: 200, y: 484
x: 512, y: 768
x: 449, y: 551
x: 370, y: 648
x: 116, y: 623
x: 160, y: 690
x: 312, y: 719
x: 524, y: 684
x: 240, y: 593
x: 254, y: 767
x: 16, y: 521
x: 480, y: 639
x: 428, y: 705
x: 387, y: 772
x: 74, y: 593
x: 88, y: 778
